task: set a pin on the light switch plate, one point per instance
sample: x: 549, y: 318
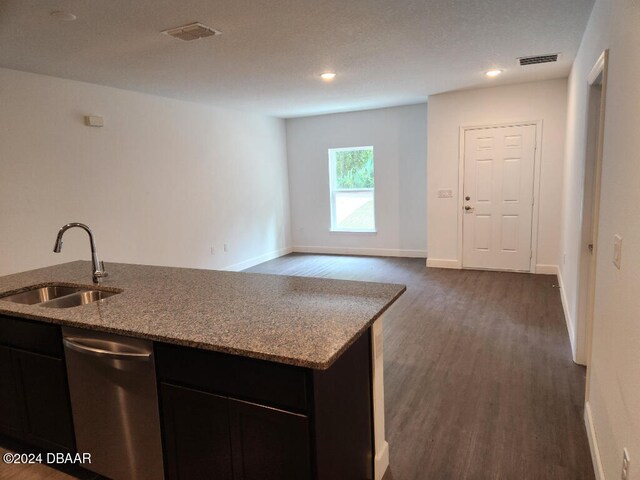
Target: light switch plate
x: 617, y: 251
x: 445, y: 193
x: 93, y: 121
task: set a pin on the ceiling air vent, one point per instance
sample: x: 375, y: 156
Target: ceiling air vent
x: 535, y: 59
x: 193, y: 31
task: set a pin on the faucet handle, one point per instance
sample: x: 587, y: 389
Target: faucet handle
x: 101, y: 273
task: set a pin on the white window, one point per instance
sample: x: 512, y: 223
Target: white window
x: 352, y: 187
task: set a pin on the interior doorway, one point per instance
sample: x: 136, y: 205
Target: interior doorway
x: 591, y: 208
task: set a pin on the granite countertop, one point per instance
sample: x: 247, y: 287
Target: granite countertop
x: 300, y: 321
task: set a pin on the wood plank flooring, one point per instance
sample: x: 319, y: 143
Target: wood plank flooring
x: 479, y: 380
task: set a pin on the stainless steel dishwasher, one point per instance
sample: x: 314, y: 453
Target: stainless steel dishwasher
x: 114, y: 400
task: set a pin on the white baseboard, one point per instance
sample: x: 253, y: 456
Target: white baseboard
x: 447, y: 263
x: 443, y: 263
x: 372, y: 252
x: 381, y: 462
x: 567, y: 316
x: 236, y: 267
x: 593, y: 443
x: 547, y: 269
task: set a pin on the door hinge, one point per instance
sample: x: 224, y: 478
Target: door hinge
x: 530, y: 254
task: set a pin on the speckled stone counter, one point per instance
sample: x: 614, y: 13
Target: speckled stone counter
x: 300, y: 321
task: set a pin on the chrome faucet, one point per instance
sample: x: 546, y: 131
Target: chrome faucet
x: 98, y: 266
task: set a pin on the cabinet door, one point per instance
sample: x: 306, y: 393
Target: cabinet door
x: 268, y: 444
x: 12, y: 413
x: 46, y: 396
x: 196, y: 434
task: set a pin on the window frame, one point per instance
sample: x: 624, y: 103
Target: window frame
x: 333, y: 189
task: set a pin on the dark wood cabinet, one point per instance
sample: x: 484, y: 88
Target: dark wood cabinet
x: 196, y: 432
x: 269, y: 444
x: 211, y: 436
x: 12, y: 413
x: 229, y: 417
x: 34, y: 399
x: 46, y: 398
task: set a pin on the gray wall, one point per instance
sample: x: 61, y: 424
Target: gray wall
x: 399, y: 138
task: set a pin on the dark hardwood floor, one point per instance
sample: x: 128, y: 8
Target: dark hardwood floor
x: 479, y: 381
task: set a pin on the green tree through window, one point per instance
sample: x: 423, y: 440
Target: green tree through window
x: 354, y: 168
x: 352, y: 185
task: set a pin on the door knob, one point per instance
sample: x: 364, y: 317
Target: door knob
x: 467, y: 198
x: 467, y: 207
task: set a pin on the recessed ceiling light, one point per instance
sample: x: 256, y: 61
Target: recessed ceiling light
x: 328, y: 76
x: 493, y: 73
x: 64, y: 16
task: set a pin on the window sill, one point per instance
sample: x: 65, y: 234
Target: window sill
x: 339, y: 230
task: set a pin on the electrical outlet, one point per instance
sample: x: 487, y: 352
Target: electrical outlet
x: 226, y: 247
x: 213, y: 250
x: 626, y: 463
x: 617, y: 251
x: 445, y: 193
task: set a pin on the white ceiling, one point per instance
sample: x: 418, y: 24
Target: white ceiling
x: 271, y: 52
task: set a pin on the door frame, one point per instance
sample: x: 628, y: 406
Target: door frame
x: 536, y: 186
x: 583, y: 348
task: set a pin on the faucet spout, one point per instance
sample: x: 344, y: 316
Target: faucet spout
x: 98, y: 266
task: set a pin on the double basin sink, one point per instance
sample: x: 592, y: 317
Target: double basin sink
x: 58, y: 296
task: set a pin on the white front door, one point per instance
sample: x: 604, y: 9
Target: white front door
x: 498, y: 197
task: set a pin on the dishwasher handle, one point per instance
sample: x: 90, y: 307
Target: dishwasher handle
x: 99, y: 352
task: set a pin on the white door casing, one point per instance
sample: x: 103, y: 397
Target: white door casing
x: 597, y: 77
x: 499, y: 185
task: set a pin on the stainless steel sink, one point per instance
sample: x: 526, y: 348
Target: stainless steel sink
x: 77, y: 299
x: 41, y: 294
x: 59, y: 296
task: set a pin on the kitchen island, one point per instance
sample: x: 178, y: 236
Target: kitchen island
x: 290, y: 367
